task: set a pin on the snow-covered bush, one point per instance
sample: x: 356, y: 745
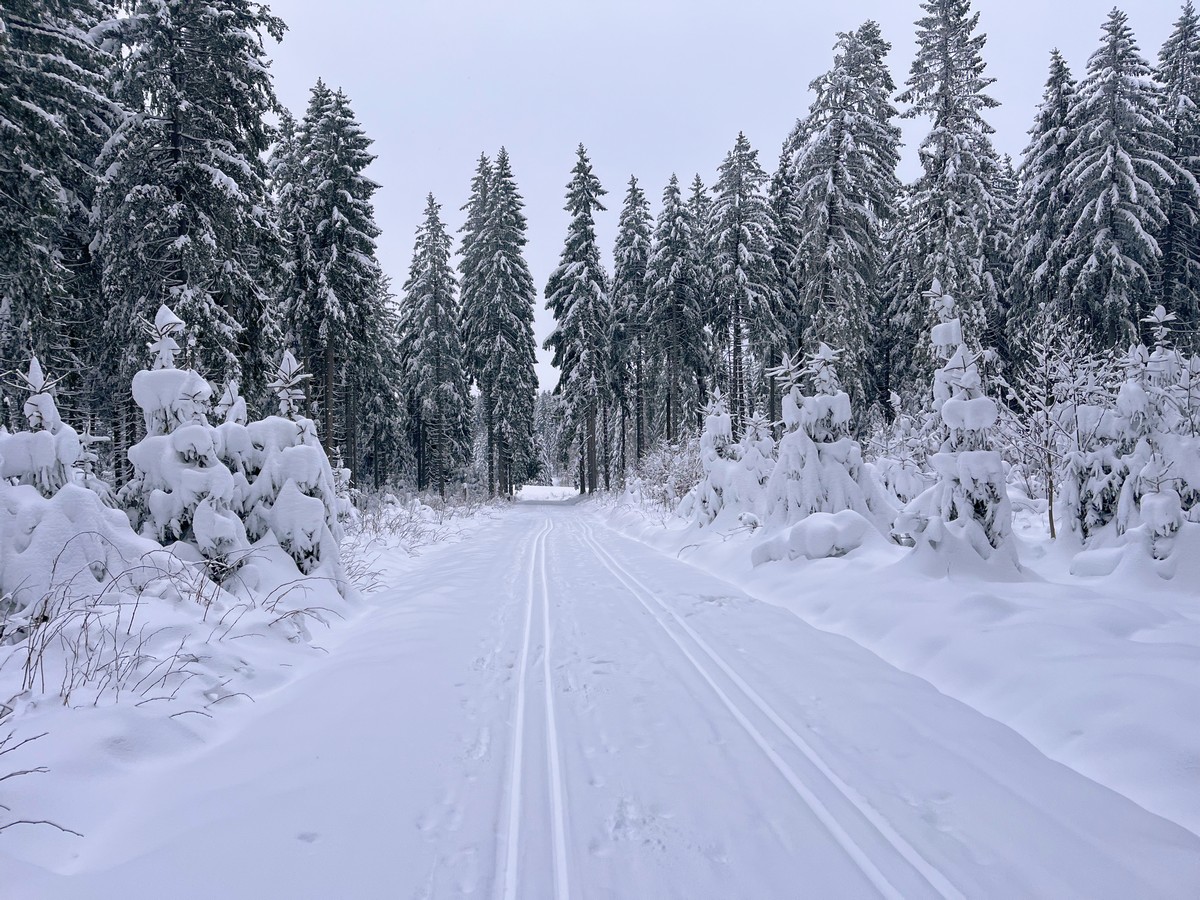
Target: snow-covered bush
x: 968, y: 503
x: 46, y: 455
x: 899, y: 452
x: 756, y: 462
x: 1141, y: 470
x: 820, y: 468
x: 181, y: 491
x: 719, y: 458
x: 665, y: 475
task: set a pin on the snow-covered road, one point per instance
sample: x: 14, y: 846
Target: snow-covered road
x: 551, y: 710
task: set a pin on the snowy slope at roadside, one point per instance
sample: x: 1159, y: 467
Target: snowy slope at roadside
x: 1101, y: 674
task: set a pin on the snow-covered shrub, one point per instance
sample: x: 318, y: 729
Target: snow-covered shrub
x: 820, y: 468
x: 968, y: 503
x: 756, y: 462
x: 181, y: 491
x: 719, y: 458
x: 1141, y: 471
x: 665, y: 475
x: 899, y: 452
x: 46, y: 455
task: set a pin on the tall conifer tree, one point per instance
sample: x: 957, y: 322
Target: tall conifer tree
x: 434, y: 357
x: 747, y: 280
x: 577, y: 294
x: 1120, y: 177
x: 1179, y: 72
x: 950, y: 209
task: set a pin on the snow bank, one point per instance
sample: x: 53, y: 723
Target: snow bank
x: 1098, y: 673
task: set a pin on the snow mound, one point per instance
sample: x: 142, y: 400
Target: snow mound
x: 819, y: 536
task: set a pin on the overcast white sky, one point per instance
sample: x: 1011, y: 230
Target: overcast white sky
x: 650, y: 87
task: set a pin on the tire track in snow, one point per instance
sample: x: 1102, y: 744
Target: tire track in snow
x: 936, y: 880
x: 512, y: 837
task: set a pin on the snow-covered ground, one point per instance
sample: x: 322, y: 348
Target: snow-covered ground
x: 551, y: 709
x: 545, y: 493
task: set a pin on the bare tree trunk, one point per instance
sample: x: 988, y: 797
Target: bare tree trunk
x: 489, y: 424
x: 606, y: 452
x: 591, y: 449
x: 327, y: 412
x: 639, y: 404
x: 737, y: 386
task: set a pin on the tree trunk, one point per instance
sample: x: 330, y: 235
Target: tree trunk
x: 606, y: 452
x: 330, y: 360
x: 639, y: 443
x: 591, y: 450
x: 736, y: 386
x: 489, y: 425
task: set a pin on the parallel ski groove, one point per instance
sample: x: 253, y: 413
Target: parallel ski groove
x: 561, y: 880
x: 517, y: 759
x: 936, y: 879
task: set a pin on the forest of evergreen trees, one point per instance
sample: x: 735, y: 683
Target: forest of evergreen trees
x: 145, y: 160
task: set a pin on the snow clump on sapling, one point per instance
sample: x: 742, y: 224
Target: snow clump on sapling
x: 294, y: 495
x: 181, y: 491
x: 46, y: 455
x: 820, y: 468
x: 719, y: 457
x: 968, y: 502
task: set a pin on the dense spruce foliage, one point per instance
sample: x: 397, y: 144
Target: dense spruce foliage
x: 145, y: 160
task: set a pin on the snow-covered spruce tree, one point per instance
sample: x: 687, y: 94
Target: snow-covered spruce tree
x: 1041, y: 222
x: 474, y: 258
x: 785, y: 230
x: 1179, y: 73
x: 999, y: 255
x: 294, y: 495
x: 968, y: 504
x: 950, y: 209
x: 820, y: 467
x: 507, y: 378
x: 674, y: 325
x: 435, y: 367
x: 700, y: 210
x: 339, y: 303
x: 845, y: 195
x: 577, y: 294
x: 631, y: 259
x: 46, y: 455
x: 747, y: 285
x: 181, y: 490
x: 1119, y: 177
x: 183, y: 215
x: 54, y: 118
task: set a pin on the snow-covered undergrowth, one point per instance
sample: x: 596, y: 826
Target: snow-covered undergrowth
x: 929, y: 550
x: 129, y: 619
x: 135, y: 623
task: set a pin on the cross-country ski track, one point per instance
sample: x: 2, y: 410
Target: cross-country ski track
x: 550, y: 710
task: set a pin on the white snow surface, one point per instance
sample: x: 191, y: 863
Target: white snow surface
x: 550, y: 708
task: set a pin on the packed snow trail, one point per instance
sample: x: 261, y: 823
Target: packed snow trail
x: 553, y: 711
